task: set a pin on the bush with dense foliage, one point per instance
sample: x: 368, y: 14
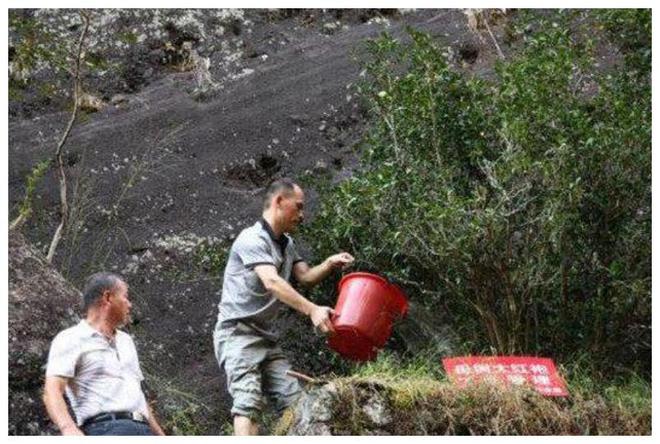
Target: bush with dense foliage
x: 521, y: 204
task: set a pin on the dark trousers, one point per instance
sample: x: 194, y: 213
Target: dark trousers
x: 117, y: 427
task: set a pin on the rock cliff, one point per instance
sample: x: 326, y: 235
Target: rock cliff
x: 41, y: 303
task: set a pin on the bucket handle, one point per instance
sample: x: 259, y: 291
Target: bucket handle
x: 333, y: 317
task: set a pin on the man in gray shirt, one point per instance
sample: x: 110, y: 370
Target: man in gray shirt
x: 261, y: 262
x: 96, y: 365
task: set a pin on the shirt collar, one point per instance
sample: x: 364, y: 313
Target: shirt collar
x: 283, y: 240
x: 91, y: 331
x: 88, y: 329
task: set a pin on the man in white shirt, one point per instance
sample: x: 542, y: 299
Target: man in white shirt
x: 96, y: 365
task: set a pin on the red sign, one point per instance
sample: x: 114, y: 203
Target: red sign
x: 539, y: 373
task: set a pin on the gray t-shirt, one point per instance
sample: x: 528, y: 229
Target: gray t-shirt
x: 244, y: 298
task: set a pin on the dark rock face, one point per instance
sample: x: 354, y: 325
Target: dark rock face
x: 41, y: 303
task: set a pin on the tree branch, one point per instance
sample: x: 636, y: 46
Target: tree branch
x: 492, y: 36
x: 64, y: 210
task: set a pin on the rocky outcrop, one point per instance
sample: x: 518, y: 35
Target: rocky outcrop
x: 41, y: 303
x: 329, y: 409
x: 389, y: 404
x: 314, y: 412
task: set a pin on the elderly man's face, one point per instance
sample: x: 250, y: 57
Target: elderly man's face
x: 120, y: 305
x: 292, y: 209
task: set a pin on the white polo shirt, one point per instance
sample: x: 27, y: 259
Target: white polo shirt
x: 104, y: 375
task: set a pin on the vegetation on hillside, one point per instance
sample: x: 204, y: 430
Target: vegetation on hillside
x: 516, y: 205
x: 519, y: 205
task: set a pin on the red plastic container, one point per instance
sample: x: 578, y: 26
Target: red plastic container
x: 366, y: 308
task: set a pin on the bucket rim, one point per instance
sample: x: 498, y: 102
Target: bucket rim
x: 364, y: 274
x: 398, y: 296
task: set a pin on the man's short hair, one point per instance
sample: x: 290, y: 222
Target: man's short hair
x: 285, y: 185
x: 96, y: 285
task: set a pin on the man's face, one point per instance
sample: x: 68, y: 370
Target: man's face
x: 120, y: 306
x: 292, y: 209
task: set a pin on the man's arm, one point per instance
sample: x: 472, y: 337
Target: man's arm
x: 283, y: 291
x: 309, y: 277
x: 56, y: 406
x: 153, y: 422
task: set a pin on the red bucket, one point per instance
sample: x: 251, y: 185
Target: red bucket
x: 366, y: 308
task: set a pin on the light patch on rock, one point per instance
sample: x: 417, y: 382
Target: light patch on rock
x: 90, y: 103
x: 190, y: 20
x: 118, y: 98
x: 185, y: 243
x: 314, y: 411
x: 108, y: 33
x: 331, y: 26
x: 379, y: 21
x: 244, y: 73
x: 375, y: 408
x: 203, y: 78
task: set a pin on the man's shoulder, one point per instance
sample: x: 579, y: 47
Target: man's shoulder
x: 125, y: 341
x: 123, y: 336
x: 251, y: 234
x: 75, y: 330
x: 70, y: 335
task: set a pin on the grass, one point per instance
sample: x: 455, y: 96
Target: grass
x: 421, y: 401
x: 211, y: 258
x: 412, y: 380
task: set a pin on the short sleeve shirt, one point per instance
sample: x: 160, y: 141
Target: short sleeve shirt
x: 104, y: 375
x: 244, y: 298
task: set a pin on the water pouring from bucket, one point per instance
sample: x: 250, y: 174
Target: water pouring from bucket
x: 366, y: 308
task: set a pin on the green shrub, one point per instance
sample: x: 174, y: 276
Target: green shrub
x: 631, y: 29
x: 211, y: 257
x: 31, y: 182
x: 35, y: 45
x: 520, y: 205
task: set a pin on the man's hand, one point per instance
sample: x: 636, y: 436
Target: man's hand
x: 71, y: 430
x: 341, y: 260
x: 320, y: 317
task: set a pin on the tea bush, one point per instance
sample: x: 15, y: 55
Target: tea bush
x: 520, y: 205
